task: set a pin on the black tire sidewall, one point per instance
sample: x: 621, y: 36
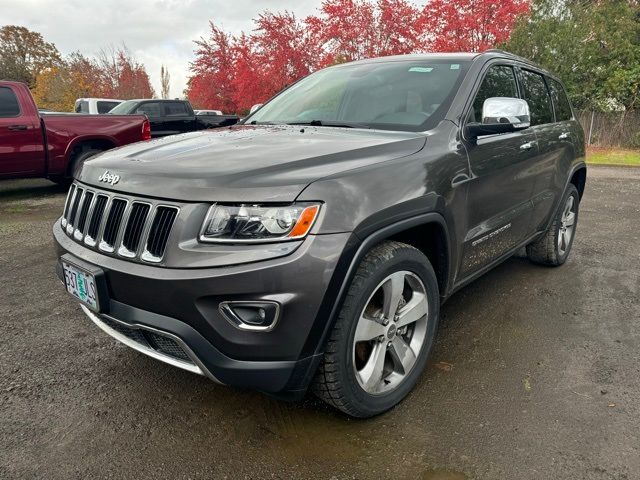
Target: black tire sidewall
x: 80, y: 158
x: 404, y: 259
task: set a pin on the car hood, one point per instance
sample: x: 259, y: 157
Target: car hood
x: 243, y: 163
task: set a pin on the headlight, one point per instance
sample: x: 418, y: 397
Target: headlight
x: 258, y: 223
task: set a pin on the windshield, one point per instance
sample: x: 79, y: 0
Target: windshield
x: 124, y: 108
x: 396, y: 95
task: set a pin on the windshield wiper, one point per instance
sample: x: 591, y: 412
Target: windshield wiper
x: 331, y: 123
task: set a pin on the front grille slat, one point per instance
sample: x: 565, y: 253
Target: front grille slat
x: 114, y: 220
x: 135, y: 226
x: 84, y: 211
x: 96, y: 218
x: 118, y: 225
x: 74, y: 208
x: 159, y: 233
x: 67, y: 205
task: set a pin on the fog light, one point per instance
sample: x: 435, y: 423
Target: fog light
x: 252, y: 316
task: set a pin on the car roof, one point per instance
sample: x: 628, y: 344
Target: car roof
x: 450, y: 56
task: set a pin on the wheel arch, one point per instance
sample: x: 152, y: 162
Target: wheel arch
x: 431, y: 223
x: 81, y: 144
x: 579, y: 179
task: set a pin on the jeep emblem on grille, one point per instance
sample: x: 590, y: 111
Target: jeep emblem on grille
x: 107, y: 177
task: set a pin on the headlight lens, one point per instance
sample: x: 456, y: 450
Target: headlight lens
x: 258, y: 223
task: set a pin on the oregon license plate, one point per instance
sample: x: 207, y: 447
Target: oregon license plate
x: 81, y: 284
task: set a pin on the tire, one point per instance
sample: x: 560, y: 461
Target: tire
x: 342, y: 379
x: 78, y: 159
x: 554, y: 246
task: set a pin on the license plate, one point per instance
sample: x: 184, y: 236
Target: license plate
x: 81, y: 285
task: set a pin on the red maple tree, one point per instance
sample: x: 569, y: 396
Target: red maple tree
x: 232, y: 73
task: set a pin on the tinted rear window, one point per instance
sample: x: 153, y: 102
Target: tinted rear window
x: 537, y: 95
x: 9, y: 106
x: 560, y: 100
x: 105, y: 107
x: 150, y: 109
x: 176, y: 109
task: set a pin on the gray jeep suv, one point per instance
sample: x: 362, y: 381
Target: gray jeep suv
x: 312, y: 245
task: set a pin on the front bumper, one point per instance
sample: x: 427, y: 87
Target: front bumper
x: 182, y: 305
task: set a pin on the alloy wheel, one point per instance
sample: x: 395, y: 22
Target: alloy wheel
x: 390, y: 333
x: 567, y: 225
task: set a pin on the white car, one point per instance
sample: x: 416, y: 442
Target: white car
x: 95, y: 106
x: 208, y: 112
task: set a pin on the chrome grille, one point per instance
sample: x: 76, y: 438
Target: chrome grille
x: 118, y: 225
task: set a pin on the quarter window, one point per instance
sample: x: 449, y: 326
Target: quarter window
x: 537, y: 95
x: 560, y: 100
x: 9, y: 106
x: 500, y: 81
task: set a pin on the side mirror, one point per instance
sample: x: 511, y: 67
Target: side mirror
x: 255, y: 107
x: 501, y: 115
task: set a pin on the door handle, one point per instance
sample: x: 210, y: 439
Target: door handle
x: 526, y: 146
x: 563, y: 136
x: 15, y: 128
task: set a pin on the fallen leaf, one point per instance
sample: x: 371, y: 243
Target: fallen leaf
x: 447, y: 367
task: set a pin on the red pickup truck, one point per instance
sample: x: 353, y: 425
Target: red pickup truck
x: 52, y: 147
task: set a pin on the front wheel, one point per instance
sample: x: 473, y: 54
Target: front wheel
x: 382, y: 337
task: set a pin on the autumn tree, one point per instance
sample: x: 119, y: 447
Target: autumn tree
x: 122, y: 76
x: 24, y: 54
x: 233, y: 72
x: 471, y: 25
x: 165, y: 82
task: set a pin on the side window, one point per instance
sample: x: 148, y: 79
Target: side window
x: 82, y: 106
x: 105, y: 107
x: 536, y: 93
x: 9, y: 106
x: 499, y: 81
x: 175, y: 109
x: 151, y: 110
x: 560, y: 100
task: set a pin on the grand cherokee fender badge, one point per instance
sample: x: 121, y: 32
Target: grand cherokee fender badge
x: 110, y: 178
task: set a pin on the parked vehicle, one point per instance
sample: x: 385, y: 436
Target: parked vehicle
x: 314, y: 244
x: 215, y: 113
x: 171, y: 117
x: 34, y: 147
x: 96, y: 106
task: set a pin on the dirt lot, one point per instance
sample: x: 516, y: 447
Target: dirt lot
x: 535, y: 375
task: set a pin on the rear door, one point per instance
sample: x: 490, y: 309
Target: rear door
x: 178, y: 117
x: 502, y: 180
x: 20, y: 155
x: 554, y: 143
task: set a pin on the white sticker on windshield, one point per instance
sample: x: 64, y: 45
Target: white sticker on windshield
x: 455, y: 66
x: 421, y: 69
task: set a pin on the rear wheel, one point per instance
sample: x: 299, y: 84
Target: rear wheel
x: 382, y: 337
x: 79, y: 158
x: 553, y: 248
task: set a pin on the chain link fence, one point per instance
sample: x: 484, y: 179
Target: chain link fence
x: 611, y: 129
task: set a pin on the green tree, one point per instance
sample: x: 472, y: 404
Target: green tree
x: 594, y: 46
x: 24, y: 54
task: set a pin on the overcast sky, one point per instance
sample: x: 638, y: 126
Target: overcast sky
x: 156, y: 31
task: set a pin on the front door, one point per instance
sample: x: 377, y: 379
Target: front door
x: 19, y: 153
x: 502, y: 181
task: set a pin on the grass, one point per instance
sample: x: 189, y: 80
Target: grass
x: 613, y: 156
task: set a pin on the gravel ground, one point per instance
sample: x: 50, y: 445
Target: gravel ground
x: 535, y: 374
